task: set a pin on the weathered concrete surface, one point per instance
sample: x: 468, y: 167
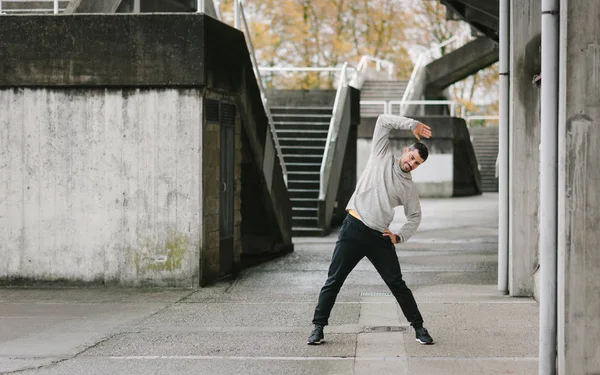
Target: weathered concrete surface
x: 258, y: 323
x: 524, y: 146
x: 100, y: 186
x: 105, y: 50
x: 579, y: 181
x: 151, y: 52
x: 461, y: 63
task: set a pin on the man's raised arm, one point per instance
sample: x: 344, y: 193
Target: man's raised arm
x: 385, y: 124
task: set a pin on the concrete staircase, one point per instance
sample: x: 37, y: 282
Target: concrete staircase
x: 302, y: 133
x: 373, y: 90
x: 32, y: 6
x: 485, y: 143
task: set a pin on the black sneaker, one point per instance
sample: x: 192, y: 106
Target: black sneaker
x: 423, y: 337
x: 316, y: 336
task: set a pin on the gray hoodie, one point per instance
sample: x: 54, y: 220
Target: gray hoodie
x: 383, y: 185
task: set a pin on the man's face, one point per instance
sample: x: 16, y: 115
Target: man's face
x: 410, y: 160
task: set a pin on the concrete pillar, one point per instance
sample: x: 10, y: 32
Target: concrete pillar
x: 524, y: 141
x: 578, y: 195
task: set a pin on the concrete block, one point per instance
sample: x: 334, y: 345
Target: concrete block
x: 91, y: 195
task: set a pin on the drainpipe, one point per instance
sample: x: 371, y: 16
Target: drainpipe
x: 548, y: 187
x: 503, y: 136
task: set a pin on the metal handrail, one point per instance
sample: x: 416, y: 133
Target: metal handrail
x: 300, y: 69
x: 242, y: 17
x: 55, y: 8
x: 422, y: 61
x: 388, y: 105
x: 323, y: 172
x: 451, y: 103
x: 361, y: 69
x: 364, y: 60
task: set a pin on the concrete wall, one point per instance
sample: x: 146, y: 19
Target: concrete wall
x: 148, y: 58
x: 579, y: 196
x: 524, y: 141
x: 101, y: 186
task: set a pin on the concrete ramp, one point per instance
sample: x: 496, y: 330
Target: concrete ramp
x: 461, y: 63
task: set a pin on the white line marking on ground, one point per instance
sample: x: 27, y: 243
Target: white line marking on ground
x: 258, y: 358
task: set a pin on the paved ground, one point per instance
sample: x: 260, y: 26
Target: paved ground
x: 258, y: 324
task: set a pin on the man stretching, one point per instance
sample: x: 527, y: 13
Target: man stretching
x: 385, y: 183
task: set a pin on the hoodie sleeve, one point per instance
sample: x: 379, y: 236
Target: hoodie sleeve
x: 412, y: 210
x: 383, y: 127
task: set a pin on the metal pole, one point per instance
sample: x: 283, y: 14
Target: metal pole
x: 136, y: 6
x: 236, y: 14
x: 199, y: 6
x: 503, y: 147
x: 0, y: 6
x: 548, y: 187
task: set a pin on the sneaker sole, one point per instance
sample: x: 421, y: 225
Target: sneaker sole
x: 423, y: 342
x: 316, y: 342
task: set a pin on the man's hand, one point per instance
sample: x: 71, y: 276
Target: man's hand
x: 391, y: 235
x: 422, y: 130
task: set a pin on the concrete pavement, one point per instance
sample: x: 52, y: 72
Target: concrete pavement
x: 258, y: 323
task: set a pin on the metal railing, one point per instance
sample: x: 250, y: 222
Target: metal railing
x: 403, y: 104
x: 414, y: 87
x: 362, y: 69
x: 325, y: 170
x: 55, y: 8
x: 240, y: 13
x: 240, y: 20
x: 457, y: 109
x: 379, y: 64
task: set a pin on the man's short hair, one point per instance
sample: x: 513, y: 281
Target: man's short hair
x: 421, y: 148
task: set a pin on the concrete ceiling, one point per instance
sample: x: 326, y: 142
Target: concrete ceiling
x: 482, y: 15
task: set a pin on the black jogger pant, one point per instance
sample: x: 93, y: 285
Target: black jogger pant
x: 356, y: 241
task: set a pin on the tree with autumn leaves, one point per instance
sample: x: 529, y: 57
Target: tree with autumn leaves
x: 327, y: 33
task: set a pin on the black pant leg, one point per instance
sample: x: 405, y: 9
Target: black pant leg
x: 384, y: 258
x: 346, y: 255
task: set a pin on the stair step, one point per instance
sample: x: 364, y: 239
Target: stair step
x: 301, y: 123
x: 300, y: 139
x: 276, y: 110
x: 304, y: 232
x: 315, y: 157
x: 303, y: 142
x: 302, y: 133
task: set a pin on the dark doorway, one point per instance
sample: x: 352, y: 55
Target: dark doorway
x: 227, y: 188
